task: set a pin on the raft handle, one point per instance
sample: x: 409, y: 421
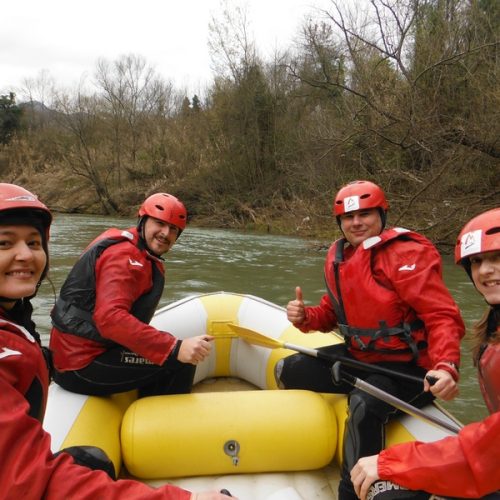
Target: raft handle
x: 232, y: 449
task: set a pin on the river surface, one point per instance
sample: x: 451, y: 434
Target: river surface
x: 268, y: 266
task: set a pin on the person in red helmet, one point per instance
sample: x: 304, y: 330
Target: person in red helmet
x: 101, y: 340
x: 29, y: 469
x: 466, y: 465
x: 386, y: 296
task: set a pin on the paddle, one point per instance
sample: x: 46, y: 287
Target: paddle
x: 256, y: 338
x: 392, y: 400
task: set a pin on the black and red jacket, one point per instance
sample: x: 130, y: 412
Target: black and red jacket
x: 29, y: 469
x: 109, y: 298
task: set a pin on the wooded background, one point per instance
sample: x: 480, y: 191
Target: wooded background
x: 404, y: 93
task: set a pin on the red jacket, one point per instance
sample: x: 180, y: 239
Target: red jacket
x: 29, y: 469
x: 462, y: 466
x: 123, y: 274
x: 399, y: 279
x: 489, y: 375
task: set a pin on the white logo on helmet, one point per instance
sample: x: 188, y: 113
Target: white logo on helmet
x: 351, y: 203
x: 24, y: 197
x: 471, y: 243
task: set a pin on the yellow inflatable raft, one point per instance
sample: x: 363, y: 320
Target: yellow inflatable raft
x: 236, y: 430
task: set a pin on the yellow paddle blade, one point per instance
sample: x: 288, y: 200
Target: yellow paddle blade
x: 253, y: 337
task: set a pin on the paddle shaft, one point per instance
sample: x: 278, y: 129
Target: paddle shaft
x: 353, y: 363
x: 399, y: 403
x: 259, y: 339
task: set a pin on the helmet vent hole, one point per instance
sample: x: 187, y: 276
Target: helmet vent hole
x: 364, y: 196
x: 159, y: 207
x: 493, y: 230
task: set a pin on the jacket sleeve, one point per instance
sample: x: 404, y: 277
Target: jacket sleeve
x: 319, y: 318
x: 460, y: 466
x: 119, y: 283
x: 30, y: 470
x: 414, y: 270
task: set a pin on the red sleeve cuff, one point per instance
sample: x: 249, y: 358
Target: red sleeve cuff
x: 450, y: 367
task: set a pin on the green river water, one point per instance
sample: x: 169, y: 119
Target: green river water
x: 268, y: 266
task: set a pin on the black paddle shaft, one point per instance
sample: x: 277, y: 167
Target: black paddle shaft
x: 340, y: 375
x: 353, y: 363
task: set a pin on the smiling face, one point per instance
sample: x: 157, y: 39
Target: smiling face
x: 22, y: 261
x: 160, y: 236
x: 485, y: 271
x: 359, y: 225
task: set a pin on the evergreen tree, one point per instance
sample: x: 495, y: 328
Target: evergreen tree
x: 10, y: 117
x: 196, y: 104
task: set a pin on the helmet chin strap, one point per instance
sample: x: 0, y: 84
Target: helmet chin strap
x: 141, y: 230
x: 8, y: 299
x: 383, y: 216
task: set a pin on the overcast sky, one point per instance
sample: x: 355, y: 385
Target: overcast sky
x: 66, y: 38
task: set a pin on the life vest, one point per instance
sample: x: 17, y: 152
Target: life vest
x: 73, y: 311
x: 35, y: 383
x: 370, y: 314
x: 489, y: 372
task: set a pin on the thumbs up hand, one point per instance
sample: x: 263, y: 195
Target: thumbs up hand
x: 295, y: 311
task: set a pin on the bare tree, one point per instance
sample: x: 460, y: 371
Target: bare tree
x: 40, y: 93
x: 410, y: 71
x: 232, y: 49
x: 132, y: 91
x: 83, y: 150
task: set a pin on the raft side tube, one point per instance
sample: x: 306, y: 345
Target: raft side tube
x: 228, y: 433
x: 78, y: 420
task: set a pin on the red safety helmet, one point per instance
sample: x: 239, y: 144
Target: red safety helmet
x: 20, y: 206
x: 358, y: 195
x: 480, y: 234
x: 165, y: 207
x: 18, y: 202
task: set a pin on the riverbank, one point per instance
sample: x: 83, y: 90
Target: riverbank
x: 285, y: 218
x: 309, y: 219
